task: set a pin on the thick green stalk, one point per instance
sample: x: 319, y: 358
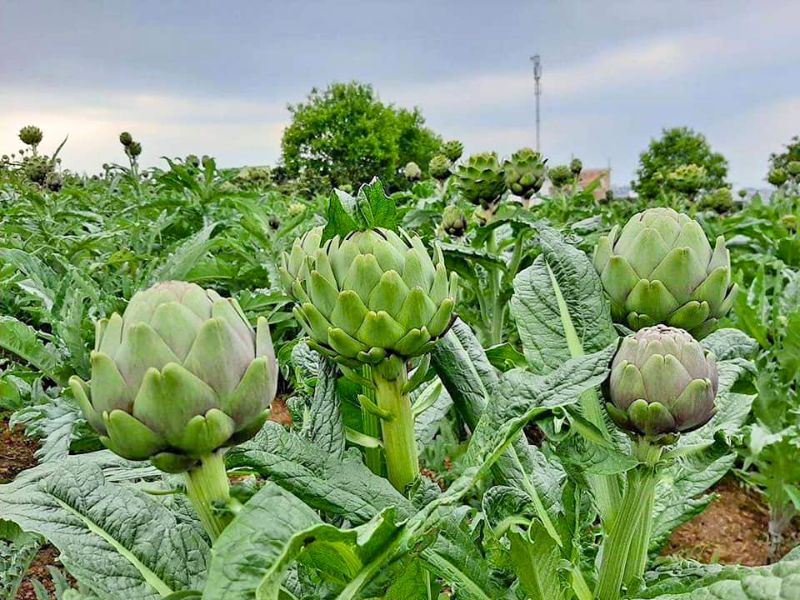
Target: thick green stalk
x: 649, y: 455
x: 205, y: 485
x: 371, y: 425
x: 629, y: 528
x: 495, y: 287
x: 399, y: 441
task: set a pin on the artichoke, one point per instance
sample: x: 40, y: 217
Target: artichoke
x: 688, y: 179
x: 178, y: 376
x: 561, y: 176
x: 575, y: 167
x: 454, y: 223
x: 134, y: 149
x: 525, y: 172
x: 453, y: 150
x: 30, y: 135
x: 661, y: 269
x: 370, y: 295
x: 439, y: 167
x: 793, y: 168
x: 777, y: 177
x: 481, y: 180
x: 125, y: 138
x: 412, y: 171
x: 662, y: 381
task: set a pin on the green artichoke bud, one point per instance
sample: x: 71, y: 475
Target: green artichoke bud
x: 439, y: 167
x: 179, y: 375
x: 295, y: 263
x: 412, y: 171
x: 453, y: 150
x: 193, y: 161
x: 793, y: 168
x: 134, y: 149
x: 30, y: 135
x: 777, y: 177
x: 720, y: 200
x: 575, y: 167
x: 525, y: 172
x: 125, y: 138
x: 661, y: 269
x: 561, y: 176
x: 370, y: 296
x: 688, y: 179
x: 481, y: 180
x: 790, y: 222
x: 662, y: 381
x: 454, y: 222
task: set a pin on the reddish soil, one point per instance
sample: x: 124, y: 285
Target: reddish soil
x: 279, y: 412
x: 48, y: 556
x: 16, y: 451
x: 732, y: 530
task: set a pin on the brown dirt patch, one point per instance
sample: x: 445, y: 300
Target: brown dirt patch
x: 16, y: 451
x: 48, y: 556
x: 279, y: 412
x: 732, y: 530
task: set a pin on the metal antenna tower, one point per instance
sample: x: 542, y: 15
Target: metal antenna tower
x: 537, y: 76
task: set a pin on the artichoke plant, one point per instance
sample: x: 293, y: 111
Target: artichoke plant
x: 371, y: 300
x: 561, y: 176
x: 662, y: 382
x: 481, y: 180
x: 370, y: 295
x: 575, y: 167
x: 453, y: 150
x: 777, y: 177
x: 454, y: 223
x: 525, y: 172
x: 412, y: 171
x: 177, y: 378
x: 661, y: 269
x: 31, y: 135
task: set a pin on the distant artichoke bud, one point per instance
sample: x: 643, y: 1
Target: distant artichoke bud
x: 742, y: 194
x: 53, y: 181
x: 790, y: 222
x: 793, y: 168
x: 178, y: 376
x: 439, y: 167
x: 412, y: 171
x: 30, y: 135
x: 274, y: 222
x: 296, y: 208
x: 481, y: 180
x: 688, y: 179
x: 134, y: 149
x: 453, y: 150
x: 371, y: 296
x: 346, y: 188
x: 662, y: 381
x: 525, y: 172
x: 661, y: 269
x: 207, y: 162
x: 193, y: 161
x: 576, y: 166
x: 454, y: 223
x: 777, y: 177
x: 561, y: 176
x: 125, y: 138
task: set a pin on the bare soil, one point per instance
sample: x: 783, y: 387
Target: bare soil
x: 732, y: 530
x: 16, y: 451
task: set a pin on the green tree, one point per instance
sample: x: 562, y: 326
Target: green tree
x: 676, y: 148
x: 781, y: 160
x: 346, y: 135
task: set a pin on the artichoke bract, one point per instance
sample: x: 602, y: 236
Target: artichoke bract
x: 661, y: 269
x: 369, y: 295
x: 178, y: 376
x: 662, y: 381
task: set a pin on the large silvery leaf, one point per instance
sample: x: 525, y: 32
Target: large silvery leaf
x: 253, y: 555
x: 337, y: 486
x: 560, y: 291
x: 117, y: 542
x: 780, y: 581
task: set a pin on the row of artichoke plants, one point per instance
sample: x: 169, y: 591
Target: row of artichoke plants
x: 183, y: 380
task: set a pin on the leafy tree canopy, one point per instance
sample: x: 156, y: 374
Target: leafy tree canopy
x: 678, y: 147
x: 781, y: 160
x: 346, y: 135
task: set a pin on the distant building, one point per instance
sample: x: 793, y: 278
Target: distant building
x: 587, y: 176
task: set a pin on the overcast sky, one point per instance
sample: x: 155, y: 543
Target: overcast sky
x: 215, y: 77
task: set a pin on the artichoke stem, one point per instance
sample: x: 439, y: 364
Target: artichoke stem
x: 370, y: 423
x: 399, y: 441
x: 205, y: 485
x: 628, y: 537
